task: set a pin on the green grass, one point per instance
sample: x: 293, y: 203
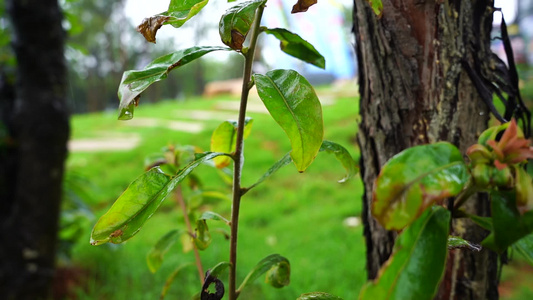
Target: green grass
x: 299, y: 216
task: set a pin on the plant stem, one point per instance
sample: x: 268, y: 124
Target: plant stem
x: 239, y: 152
x: 179, y: 197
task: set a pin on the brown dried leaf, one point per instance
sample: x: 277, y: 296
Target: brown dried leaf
x: 149, y: 26
x: 237, y: 39
x: 302, y: 6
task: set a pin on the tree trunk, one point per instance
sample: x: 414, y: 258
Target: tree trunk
x: 38, y: 128
x: 415, y: 90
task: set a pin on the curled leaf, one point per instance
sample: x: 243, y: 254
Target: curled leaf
x: 279, y: 275
x: 149, y: 27
x: 278, y: 268
x: 302, y: 6
x: 236, y: 22
x: 179, y: 11
x: 343, y: 156
x: 295, y: 46
x: 210, y: 279
x: 202, y: 238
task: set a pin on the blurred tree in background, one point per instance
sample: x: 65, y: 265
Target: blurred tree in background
x: 34, y: 146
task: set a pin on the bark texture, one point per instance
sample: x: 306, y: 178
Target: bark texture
x: 37, y: 124
x: 415, y: 90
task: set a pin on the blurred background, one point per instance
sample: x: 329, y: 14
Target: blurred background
x: 308, y: 218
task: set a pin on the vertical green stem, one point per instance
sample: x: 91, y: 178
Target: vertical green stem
x: 239, y: 153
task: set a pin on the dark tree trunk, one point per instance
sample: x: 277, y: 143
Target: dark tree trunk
x: 415, y: 90
x: 38, y: 128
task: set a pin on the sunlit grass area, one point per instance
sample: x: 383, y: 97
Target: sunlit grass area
x: 300, y: 216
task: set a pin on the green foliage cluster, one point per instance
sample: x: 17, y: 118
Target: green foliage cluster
x: 290, y: 100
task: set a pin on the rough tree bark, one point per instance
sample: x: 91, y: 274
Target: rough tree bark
x: 415, y: 90
x: 33, y: 161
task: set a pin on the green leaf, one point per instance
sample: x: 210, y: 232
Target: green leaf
x: 483, y: 222
x: 343, y: 156
x: 171, y: 278
x: 279, y: 271
x: 139, y: 202
x: 202, y: 238
x: 294, y: 105
x: 285, y: 160
x: 179, y: 12
x: 209, y: 215
x: 414, y: 179
x: 509, y: 225
x: 377, y: 6
x: 330, y: 147
x: 224, y: 139
x: 417, y: 263
x: 134, y: 82
x: 524, y: 246
x: 154, y: 259
x: 236, y: 22
x: 218, y: 269
x: 455, y: 242
x: 318, y: 296
x: 294, y: 45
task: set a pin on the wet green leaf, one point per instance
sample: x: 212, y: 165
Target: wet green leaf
x: 139, y: 202
x: 279, y: 277
x: 224, y: 139
x: 458, y: 242
x: 330, y: 147
x: 134, y: 82
x: 294, y: 45
x: 179, y: 12
x: 509, y: 225
x: 414, y: 179
x: 294, y: 105
x: 343, y: 156
x: 154, y: 259
x: 236, y: 22
x: 377, y: 6
x: 417, y: 263
x: 318, y: 296
x: 524, y: 246
x: 302, y: 6
x: 171, y: 279
x: 209, y: 215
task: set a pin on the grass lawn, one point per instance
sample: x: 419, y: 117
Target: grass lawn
x: 300, y: 216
